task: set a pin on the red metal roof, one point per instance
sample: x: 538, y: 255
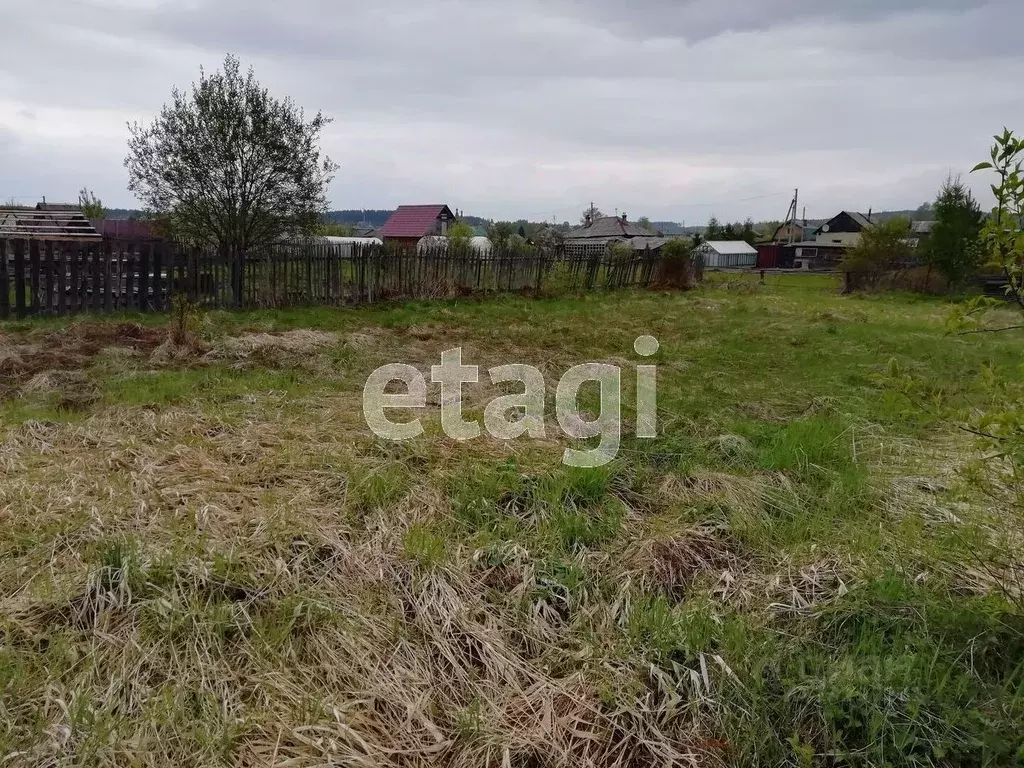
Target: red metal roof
x: 414, y: 220
x: 124, y: 229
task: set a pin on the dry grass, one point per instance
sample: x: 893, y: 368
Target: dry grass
x: 249, y: 578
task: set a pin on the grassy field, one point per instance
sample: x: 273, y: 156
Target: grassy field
x: 206, y: 558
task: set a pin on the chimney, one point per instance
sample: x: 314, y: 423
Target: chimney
x: 587, y: 221
x: 623, y: 218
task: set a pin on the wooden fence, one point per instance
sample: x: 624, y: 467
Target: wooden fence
x: 66, y: 276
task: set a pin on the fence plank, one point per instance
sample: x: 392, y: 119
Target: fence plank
x: 130, y: 265
x: 144, y: 260
x: 48, y: 272
x: 96, y: 276
x: 106, y: 255
x: 158, y: 283
x: 5, y: 283
x: 19, y: 277
x: 35, y: 270
x: 74, y: 296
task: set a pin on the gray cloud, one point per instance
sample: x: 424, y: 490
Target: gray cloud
x: 667, y: 108
x: 701, y: 19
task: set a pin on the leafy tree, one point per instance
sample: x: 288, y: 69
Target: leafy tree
x: 621, y: 251
x: 500, y: 234
x: 714, y: 230
x: 460, y: 234
x: 327, y: 229
x: 954, y: 247
x: 747, y: 232
x: 548, y: 238
x: 595, y: 214
x: 882, y: 249
x: 1004, y: 233
x: 645, y: 223
x: 91, y: 205
x: 230, y: 165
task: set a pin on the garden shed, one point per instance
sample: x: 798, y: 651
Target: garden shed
x: 727, y: 253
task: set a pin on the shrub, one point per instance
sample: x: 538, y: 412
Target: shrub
x: 883, y: 249
x: 678, y: 268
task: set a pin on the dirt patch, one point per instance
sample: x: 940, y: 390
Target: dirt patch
x: 67, y: 349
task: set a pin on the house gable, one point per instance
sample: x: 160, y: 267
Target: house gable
x: 416, y: 221
x: 845, y: 223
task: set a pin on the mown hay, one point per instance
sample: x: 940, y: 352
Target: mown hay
x: 269, y: 349
x: 73, y: 390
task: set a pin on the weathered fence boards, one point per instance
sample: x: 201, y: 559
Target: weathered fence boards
x: 60, y: 277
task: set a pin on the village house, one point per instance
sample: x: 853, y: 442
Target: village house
x: 844, y: 229
x: 411, y: 223
x: 790, y: 232
x: 605, y: 230
x: 828, y: 244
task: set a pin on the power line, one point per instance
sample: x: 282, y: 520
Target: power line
x: 584, y: 207
x: 736, y: 200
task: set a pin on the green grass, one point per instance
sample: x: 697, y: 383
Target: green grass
x: 216, y: 563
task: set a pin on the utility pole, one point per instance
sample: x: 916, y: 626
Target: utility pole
x: 791, y: 215
x: 796, y: 203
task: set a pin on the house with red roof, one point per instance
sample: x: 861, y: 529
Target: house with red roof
x: 410, y: 223
x: 119, y: 230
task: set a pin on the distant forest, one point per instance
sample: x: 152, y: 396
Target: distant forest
x: 376, y: 218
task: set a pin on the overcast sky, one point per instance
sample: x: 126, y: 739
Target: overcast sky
x: 674, y: 109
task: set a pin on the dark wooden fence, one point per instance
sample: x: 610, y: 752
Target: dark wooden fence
x: 60, y: 277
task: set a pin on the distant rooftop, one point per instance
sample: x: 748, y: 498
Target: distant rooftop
x: 729, y: 247
x: 47, y: 221
x: 610, y: 226
x: 415, y: 220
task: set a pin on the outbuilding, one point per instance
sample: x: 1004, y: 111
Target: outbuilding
x: 727, y: 253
